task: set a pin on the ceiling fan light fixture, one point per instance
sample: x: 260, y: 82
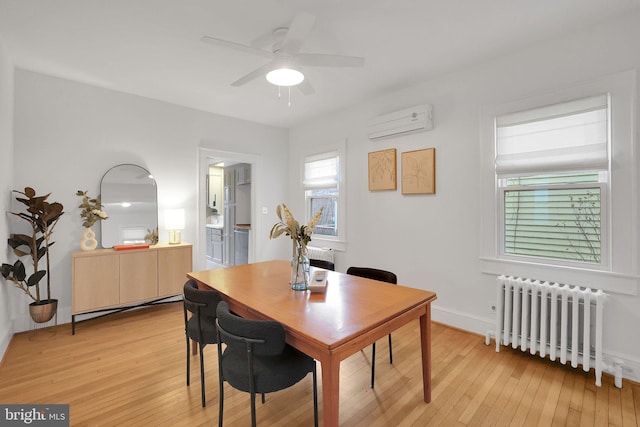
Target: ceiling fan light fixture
x: 285, y: 77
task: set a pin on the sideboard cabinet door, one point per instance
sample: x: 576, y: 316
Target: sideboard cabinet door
x: 95, y: 282
x: 173, y: 264
x: 138, y: 276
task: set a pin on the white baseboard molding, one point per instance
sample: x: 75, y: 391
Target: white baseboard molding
x: 630, y: 366
x: 458, y: 319
x: 480, y: 326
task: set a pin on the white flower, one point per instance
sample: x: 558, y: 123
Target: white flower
x: 98, y: 212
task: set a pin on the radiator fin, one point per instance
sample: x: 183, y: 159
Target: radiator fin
x: 558, y: 320
x: 323, y: 254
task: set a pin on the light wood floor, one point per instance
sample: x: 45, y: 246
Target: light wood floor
x: 129, y: 370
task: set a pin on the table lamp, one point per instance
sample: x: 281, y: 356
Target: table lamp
x: 174, y: 222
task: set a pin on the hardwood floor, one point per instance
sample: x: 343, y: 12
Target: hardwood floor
x: 129, y: 370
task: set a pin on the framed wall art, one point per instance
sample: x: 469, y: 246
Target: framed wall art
x: 382, y: 170
x: 419, y: 171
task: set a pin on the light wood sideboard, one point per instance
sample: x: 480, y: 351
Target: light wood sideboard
x: 109, y: 280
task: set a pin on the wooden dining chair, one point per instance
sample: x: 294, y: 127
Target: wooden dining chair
x: 258, y: 360
x: 383, y: 276
x: 201, y: 325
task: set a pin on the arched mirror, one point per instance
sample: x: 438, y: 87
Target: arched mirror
x: 130, y: 198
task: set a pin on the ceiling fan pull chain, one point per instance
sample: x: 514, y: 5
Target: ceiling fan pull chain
x: 289, y: 96
x: 279, y: 96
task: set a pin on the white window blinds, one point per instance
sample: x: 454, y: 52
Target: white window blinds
x: 562, y: 137
x: 321, y: 171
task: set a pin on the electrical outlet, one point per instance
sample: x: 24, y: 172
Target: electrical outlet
x: 492, y: 307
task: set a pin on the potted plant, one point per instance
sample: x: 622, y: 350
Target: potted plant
x: 300, y: 236
x: 91, y: 213
x: 42, y: 216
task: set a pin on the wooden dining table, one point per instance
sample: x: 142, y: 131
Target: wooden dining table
x: 352, y: 313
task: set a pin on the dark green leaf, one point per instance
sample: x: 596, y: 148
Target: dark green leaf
x: 35, y: 278
x: 19, y: 271
x: 6, y: 270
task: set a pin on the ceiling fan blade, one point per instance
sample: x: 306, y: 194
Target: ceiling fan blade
x: 236, y: 46
x: 322, y: 60
x: 253, y: 75
x: 298, y: 31
x: 263, y: 41
x: 305, y: 87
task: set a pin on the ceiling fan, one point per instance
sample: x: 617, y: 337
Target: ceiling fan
x: 285, y: 56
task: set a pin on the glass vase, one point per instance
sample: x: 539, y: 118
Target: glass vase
x: 300, y: 269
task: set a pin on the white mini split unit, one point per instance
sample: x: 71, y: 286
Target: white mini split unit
x: 409, y: 120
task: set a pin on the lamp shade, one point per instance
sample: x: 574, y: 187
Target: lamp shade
x: 174, y: 219
x: 174, y: 222
x: 285, y: 77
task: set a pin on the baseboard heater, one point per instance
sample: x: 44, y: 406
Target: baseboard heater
x: 556, y: 320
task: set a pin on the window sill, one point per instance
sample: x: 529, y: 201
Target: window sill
x: 323, y: 242
x: 608, y: 281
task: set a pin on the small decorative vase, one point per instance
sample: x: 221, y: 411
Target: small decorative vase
x: 88, y: 242
x: 300, y: 269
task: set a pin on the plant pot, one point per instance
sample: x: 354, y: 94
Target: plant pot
x: 44, y: 311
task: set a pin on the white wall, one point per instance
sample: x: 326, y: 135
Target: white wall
x: 67, y: 135
x: 432, y: 241
x: 6, y: 182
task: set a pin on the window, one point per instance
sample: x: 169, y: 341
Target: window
x: 551, y: 169
x: 553, y: 216
x: 559, y: 198
x: 321, y: 184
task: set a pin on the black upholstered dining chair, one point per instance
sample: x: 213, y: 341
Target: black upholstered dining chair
x: 201, y: 325
x: 383, y: 276
x: 258, y: 360
x: 320, y: 263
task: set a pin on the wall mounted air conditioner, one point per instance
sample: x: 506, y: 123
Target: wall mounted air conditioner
x: 409, y: 120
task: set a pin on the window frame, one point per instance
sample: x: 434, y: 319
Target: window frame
x: 337, y: 242
x: 604, y: 224
x: 619, y: 271
x: 334, y: 184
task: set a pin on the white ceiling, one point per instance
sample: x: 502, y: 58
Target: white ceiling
x: 152, y: 48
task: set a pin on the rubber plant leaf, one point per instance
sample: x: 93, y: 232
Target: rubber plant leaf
x: 35, y: 278
x: 19, y: 271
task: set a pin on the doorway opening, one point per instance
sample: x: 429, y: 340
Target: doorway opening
x: 226, y: 201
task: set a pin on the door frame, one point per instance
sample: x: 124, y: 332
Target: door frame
x: 205, y: 155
